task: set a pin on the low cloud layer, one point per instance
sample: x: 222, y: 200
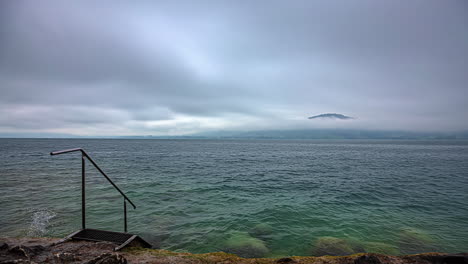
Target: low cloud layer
x: 180, y: 67
x: 331, y: 116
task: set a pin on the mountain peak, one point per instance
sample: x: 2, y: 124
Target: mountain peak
x: 331, y: 116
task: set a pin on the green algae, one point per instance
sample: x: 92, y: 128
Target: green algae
x: 244, y: 245
x: 164, y: 256
x: 413, y: 240
x: 332, y: 246
x: 356, y: 245
x: 381, y: 248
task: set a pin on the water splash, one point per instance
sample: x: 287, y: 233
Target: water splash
x: 40, y: 220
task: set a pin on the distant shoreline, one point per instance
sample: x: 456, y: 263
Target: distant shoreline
x: 234, y: 138
x: 333, y: 134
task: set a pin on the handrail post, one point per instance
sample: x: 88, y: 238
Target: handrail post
x: 125, y: 215
x: 83, y: 192
x: 84, y: 156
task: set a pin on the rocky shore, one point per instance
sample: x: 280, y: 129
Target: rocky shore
x: 47, y: 250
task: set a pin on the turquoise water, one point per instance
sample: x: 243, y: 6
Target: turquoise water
x: 199, y: 195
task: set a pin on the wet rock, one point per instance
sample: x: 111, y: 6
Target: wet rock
x: 367, y: 259
x: 17, y: 261
x: 108, y: 258
x: 447, y: 259
x: 243, y: 245
x: 18, y: 251
x: 381, y: 248
x: 26, y: 251
x: 413, y: 241
x: 460, y: 259
x: 64, y: 257
x: 332, y: 246
x: 4, y: 246
x: 286, y: 261
x: 37, y: 249
x: 261, y: 230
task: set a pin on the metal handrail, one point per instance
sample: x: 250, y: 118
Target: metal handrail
x: 83, y: 207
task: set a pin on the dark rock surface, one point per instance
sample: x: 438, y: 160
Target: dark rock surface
x: 46, y: 250
x: 368, y: 259
x: 108, y: 258
x: 286, y: 261
x: 449, y: 259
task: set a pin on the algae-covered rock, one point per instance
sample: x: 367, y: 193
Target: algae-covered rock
x: 356, y: 245
x: 381, y: 248
x: 261, y: 230
x: 331, y: 246
x: 243, y: 245
x: 414, y: 241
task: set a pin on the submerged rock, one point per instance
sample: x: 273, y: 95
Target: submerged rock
x: 261, y: 230
x: 414, y: 241
x: 243, y: 245
x: 356, y: 245
x: 381, y: 248
x: 331, y: 246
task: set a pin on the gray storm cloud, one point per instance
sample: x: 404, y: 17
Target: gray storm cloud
x: 179, y: 67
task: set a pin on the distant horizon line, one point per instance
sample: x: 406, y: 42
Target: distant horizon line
x: 265, y: 134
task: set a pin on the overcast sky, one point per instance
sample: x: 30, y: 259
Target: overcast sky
x: 180, y: 67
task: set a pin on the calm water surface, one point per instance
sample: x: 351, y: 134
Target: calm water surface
x: 192, y: 195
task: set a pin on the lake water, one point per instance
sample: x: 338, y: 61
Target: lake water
x: 207, y: 195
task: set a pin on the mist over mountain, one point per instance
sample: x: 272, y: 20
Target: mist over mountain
x: 331, y: 116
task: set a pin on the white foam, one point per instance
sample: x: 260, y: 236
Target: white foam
x: 40, y: 220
